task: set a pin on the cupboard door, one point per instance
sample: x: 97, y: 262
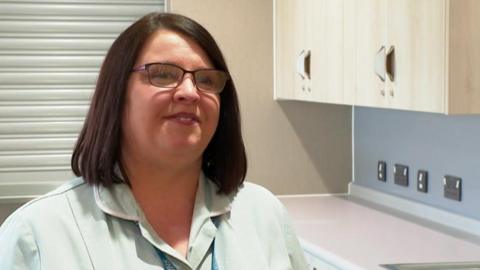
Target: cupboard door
x: 289, y: 24
x: 324, y: 37
x: 370, y: 40
x: 416, y: 30
x: 309, y: 51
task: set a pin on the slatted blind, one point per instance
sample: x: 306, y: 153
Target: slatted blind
x: 50, y: 54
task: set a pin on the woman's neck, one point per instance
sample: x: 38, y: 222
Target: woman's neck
x: 167, y: 198
x: 159, y: 181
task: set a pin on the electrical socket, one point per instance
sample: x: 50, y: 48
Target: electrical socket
x: 382, y: 171
x: 400, y: 175
x: 452, y: 187
x: 422, y: 181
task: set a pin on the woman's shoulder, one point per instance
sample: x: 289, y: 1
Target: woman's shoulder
x: 34, y: 229
x: 255, y: 191
x: 258, y: 200
x: 249, y: 189
x: 257, y: 211
x: 49, y: 205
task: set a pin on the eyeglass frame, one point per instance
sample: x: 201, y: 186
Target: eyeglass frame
x: 144, y: 67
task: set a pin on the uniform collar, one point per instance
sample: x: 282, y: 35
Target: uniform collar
x: 118, y: 201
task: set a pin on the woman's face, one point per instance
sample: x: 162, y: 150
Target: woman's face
x: 168, y: 126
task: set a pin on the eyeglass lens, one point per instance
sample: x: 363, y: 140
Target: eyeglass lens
x: 170, y: 76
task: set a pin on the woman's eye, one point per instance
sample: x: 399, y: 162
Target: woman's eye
x: 165, y: 75
x: 205, y: 80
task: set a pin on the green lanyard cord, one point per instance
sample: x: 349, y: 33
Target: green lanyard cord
x: 167, y: 264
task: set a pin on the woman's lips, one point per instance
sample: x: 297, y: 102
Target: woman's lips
x: 184, y: 118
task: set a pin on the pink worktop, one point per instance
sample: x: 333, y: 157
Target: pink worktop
x: 361, y: 234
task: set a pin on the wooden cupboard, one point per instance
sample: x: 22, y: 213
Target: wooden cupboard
x: 368, y: 27
x: 309, y: 51
x: 423, y: 54
x: 419, y: 55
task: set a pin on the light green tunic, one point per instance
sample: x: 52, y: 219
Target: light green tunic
x: 78, y: 226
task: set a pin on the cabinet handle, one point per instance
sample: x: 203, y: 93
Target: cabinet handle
x: 303, y: 64
x: 307, y: 64
x: 380, y: 63
x: 391, y: 63
x: 300, y: 66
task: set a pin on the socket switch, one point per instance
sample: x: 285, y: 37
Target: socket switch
x: 382, y: 171
x: 452, y: 187
x: 422, y: 181
x: 400, y: 175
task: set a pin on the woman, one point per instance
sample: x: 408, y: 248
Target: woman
x: 161, y: 165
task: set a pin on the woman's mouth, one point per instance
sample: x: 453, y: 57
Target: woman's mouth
x: 184, y: 118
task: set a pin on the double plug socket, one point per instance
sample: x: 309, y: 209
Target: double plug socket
x: 400, y: 175
x: 452, y: 187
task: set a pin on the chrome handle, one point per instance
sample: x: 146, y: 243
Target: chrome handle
x: 300, y: 65
x: 303, y: 64
x: 306, y: 64
x: 391, y: 63
x: 380, y: 64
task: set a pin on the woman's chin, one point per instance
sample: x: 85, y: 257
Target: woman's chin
x: 183, y: 140
x: 183, y: 143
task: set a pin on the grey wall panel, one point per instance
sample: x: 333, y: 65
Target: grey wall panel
x: 437, y: 143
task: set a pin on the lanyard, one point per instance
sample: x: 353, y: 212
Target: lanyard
x: 168, y: 265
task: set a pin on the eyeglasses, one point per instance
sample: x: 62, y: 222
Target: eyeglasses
x: 170, y: 76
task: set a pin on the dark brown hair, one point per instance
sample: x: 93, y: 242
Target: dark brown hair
x: 97, y: 151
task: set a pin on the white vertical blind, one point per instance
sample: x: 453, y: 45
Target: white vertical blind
x: 50, y: 54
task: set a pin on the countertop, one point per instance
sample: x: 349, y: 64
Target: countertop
x: 362, y: 235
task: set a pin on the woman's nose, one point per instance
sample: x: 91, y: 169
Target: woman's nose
x: 186, y: 91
